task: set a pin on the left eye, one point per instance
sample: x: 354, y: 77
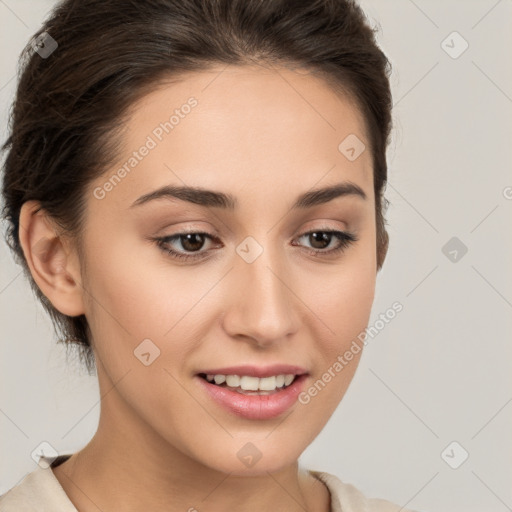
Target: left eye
x: 325, y: 237
x: 194, y: 241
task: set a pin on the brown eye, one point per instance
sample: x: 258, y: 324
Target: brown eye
x: 192, y: 241
x: 320, y: 239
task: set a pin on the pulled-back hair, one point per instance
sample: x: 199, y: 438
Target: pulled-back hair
x: 67, y: 117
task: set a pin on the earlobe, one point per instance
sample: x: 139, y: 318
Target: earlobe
x: 52, y: 263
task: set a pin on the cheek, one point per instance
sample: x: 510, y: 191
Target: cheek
x: 344, y: 311
x: 342, y: 314
x: 342, y: 303
x: 136, y: 290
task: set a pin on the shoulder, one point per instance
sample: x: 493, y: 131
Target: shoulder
x: 24, y: 496
x: 347, y: 498
x: 39, y: 491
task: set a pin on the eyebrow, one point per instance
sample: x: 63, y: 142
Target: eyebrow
x: 211, y: 198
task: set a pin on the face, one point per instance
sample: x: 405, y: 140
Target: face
x: 265, y: 281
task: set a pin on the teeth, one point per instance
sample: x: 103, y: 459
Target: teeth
x: 265, y: 384
x: 288, y: 379
x: 233, y: 381
x: 247, y: 383
x: 219, y: 379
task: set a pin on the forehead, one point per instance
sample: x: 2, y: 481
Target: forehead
x: 243, y: 127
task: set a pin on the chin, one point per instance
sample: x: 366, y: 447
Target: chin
x: 255, y: 457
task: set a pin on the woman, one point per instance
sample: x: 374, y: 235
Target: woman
x: 195, y: 190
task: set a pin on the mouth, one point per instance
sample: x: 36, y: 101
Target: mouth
x: 251, y: 385
x: 252, y: 397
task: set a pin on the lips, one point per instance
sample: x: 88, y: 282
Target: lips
x: 261, y: 405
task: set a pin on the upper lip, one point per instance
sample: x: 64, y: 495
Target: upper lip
x: 257, y: 371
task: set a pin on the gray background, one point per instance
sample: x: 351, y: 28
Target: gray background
x: 440, y: 370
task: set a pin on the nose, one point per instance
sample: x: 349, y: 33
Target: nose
x: 262, y: 307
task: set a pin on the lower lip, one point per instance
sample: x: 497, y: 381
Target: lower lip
x: 255, y: 407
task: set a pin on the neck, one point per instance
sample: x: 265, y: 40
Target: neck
x: 126, y: 467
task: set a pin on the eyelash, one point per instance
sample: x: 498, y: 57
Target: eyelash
x: 345, y: 238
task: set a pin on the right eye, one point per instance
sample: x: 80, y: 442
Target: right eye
x: 190, y: 241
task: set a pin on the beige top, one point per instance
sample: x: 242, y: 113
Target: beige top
x: 40, y: 491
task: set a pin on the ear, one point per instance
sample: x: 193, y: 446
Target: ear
x: 52, y: 261
x: 382, y: 250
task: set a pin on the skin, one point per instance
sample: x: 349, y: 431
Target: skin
x: 265, y: 136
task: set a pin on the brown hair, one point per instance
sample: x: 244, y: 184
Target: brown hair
x: 68, y: 113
